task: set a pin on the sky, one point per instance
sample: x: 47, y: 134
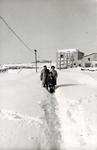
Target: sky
x: 46, y: 25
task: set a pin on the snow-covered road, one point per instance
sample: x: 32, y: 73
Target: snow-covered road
x: 27, y: 112
x: 32, y: 118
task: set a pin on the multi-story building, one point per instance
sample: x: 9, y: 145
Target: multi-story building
x: 68, y: 58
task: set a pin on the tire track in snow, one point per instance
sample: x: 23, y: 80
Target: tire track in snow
x: 51, y: 122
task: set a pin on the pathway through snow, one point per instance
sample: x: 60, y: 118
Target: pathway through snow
x: 51, y: 122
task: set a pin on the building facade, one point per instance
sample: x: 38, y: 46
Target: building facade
x: 88, y: 60
x: 68, y: 58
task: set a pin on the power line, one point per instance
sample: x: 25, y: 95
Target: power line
x: 17, y: 36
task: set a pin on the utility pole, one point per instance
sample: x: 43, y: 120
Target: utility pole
x: 35, y: 59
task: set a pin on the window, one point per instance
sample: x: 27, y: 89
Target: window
x: 88, y: 59
x: 61, y: 56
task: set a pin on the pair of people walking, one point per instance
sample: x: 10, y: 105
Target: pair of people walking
x: 48, y: 77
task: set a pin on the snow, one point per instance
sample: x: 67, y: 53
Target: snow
x: 77, y: 101
x: 25, y: 113
x: 20, y: 65
x: 32, y: 118
x: 19, y: 118
x: 89, y: 68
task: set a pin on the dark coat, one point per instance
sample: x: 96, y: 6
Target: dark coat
x: 55, y: 75
x: 44, y: 76
x: 51, y: 81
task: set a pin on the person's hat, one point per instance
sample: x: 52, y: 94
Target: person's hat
x: 52, y: 66
x: 45, y: 66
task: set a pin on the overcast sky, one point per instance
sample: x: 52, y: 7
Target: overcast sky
x: 47, y: 25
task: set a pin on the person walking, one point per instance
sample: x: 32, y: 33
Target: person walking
x: 54, y: 73
x: 44, y: 76
x: 51, y: 83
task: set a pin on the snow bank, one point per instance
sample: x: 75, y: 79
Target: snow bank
x: 10, y: 115
x: 76, y: 94
x: 21, y: 124
x: 87, y: 79
x: 27, y: 112
x: 89, y: 69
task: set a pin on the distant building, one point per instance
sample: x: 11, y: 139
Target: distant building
x: 68, y: 58
x: 94, y: 64
x: 88, y: 60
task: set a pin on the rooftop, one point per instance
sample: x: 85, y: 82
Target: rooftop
x: 90, y: 54
x: 68, y: 50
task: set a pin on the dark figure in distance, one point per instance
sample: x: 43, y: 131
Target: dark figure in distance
x: 54, y: 73
x: 51, y: 83
x: 44, y: 76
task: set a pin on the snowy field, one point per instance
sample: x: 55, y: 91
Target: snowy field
x: 32, y: 118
